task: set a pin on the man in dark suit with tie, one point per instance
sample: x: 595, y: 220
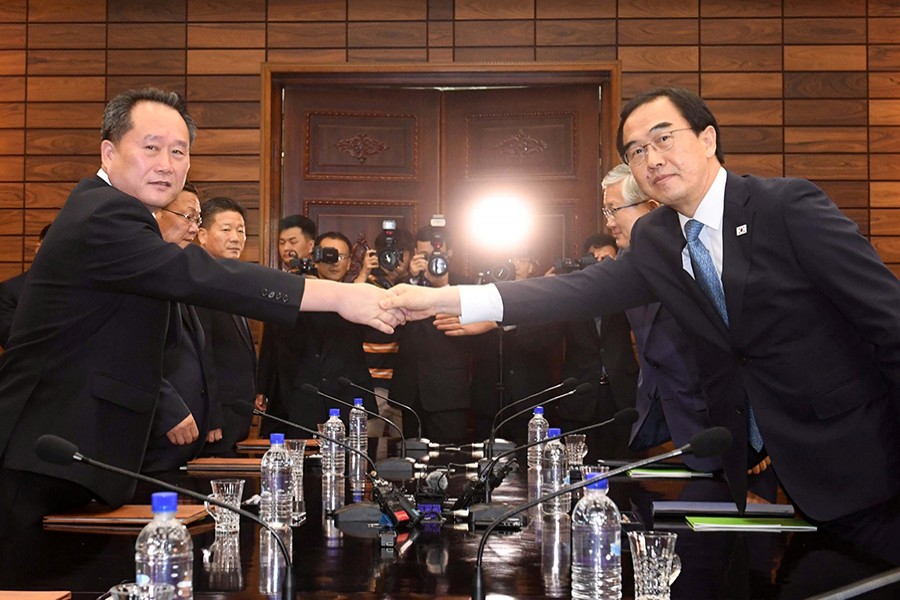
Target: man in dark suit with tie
x: 793, y: 318
x: 181, y: 420
x: 229, y: 343
x: 86, y: 348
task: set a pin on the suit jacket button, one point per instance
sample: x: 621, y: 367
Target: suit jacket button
x: 264, y: 291
x: 271, y: 295
x: 739, y: 410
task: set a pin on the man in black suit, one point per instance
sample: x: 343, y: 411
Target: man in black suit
x: 181, y: 420
x: 670, y: 402
x: 281, y: 347
x: 230, y: 353
x: 10, y: 291
x: 86, y: 350
x: 797, y: 339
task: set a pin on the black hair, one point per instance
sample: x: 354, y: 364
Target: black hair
x: 690, y: 105
x: 403, y: 241
x: 306, y: 225
x: 220, y: 204
x: 334, y: 235
x: 598, y: 240
x: 117, y: 114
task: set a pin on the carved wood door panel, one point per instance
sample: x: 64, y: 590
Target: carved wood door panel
x: 540, y: 144
x: 355, y: 156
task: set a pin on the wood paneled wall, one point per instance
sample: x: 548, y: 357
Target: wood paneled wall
x: 806, y: 88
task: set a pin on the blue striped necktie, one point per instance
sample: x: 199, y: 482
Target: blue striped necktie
x: 708, y: 279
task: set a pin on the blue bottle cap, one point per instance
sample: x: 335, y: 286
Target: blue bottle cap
x: 554, y: 432
x: 276, y: 438
x: 601, y: 484
x: 334, y: 412
x: 161, y: 502
x: 357, y: 402
x: 538, y: 410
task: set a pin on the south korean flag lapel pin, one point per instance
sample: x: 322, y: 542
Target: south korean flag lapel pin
x: 740, y: 230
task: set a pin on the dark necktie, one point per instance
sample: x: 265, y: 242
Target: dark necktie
x: 708, y: 279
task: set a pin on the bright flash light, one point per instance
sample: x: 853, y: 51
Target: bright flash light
x: 501, y: 222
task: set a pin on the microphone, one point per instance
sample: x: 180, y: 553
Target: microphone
x: 861, y: 587
x: 707, y: 443
x: 308, y: 388
x: 56, y: 450
x: 484, y: 513
x: 567, y: 384
x: 390, y: 502
x: 581, y: 390
x: 419, y: 444
x: 392, y: 469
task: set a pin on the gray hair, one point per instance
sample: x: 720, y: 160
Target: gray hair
x: 631, y: 191
x: 117, y: 114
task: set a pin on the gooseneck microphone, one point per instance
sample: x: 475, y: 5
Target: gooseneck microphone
x: 308, y: 388
x: 567, y: 384
x: 56, y: 450
x: 392, y: 469
x: 390, y: 502
x: 419, y: 444
x: 487, y: 512
x: 707, y: 443
x: 582, y: 390
x: 861, y: 587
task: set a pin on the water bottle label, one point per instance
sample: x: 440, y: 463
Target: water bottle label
x: 615, y: 549
x: 142, y: 579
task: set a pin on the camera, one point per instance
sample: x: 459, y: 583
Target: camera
x: 325, y: 255
x: 505, y: 271
x: 301, y: 266
x: 438, y: 261
x: 389, y: 258
x: 567, y: 265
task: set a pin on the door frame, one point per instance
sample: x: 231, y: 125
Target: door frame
x: 276, y: 76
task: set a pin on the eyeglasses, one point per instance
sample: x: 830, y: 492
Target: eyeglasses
x: 636, y: 155
x: 195, y: 220
x: 610, y: 213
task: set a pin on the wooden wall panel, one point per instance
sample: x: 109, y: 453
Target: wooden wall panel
x: 800, y: 87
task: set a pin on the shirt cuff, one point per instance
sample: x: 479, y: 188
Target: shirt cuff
x: 480, y: 303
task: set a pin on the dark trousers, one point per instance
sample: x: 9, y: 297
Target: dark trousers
x: 25, y: 498
x: 875, y: 530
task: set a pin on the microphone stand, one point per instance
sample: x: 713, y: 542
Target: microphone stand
x: 420, y: 444
x: 568, y: 383
x: 861, y: 587
x: 485, y: 512
x: 710, y: 442
x: 388, y: 501
x: 287, y: 589
x: 392, y: 469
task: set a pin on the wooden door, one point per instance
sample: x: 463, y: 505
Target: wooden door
x: 539, y: 144
x: 355, y: 156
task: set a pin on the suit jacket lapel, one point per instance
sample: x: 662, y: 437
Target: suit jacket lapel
x: 244, y: 329
x: 737, y: 233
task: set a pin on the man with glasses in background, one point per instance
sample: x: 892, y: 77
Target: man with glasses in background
x: 793, y: 318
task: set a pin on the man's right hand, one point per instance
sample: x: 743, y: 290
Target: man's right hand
x: 418, y: 302
x: 184, y: 433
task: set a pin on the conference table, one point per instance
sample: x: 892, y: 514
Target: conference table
x: 436, y: 560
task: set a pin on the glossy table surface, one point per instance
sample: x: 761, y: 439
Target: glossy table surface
x: 437, y: 560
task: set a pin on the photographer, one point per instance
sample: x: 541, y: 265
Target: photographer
x: 331, y: 346
x: 393, y: 252
x: 281, y: 347
x: 431, y: 374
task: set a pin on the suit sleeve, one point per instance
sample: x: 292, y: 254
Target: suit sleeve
x: 845, y: 267
x: 170, y: 409
x: 7, y: 310
x: 606, y: 287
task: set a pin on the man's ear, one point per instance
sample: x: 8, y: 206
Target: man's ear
x: 201, y: 236
x: 107, y: 150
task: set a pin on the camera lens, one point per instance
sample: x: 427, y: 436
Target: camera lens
x: 388, y: 259
x: 438, y: 265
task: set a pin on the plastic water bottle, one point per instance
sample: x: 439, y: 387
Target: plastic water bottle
x: 554, y: 474
x: 333, y: 454
x: 596, y: 544
x: 276, y: 478
x: 537, y: 430
x: 359, y: 440
x: 164, y: 552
